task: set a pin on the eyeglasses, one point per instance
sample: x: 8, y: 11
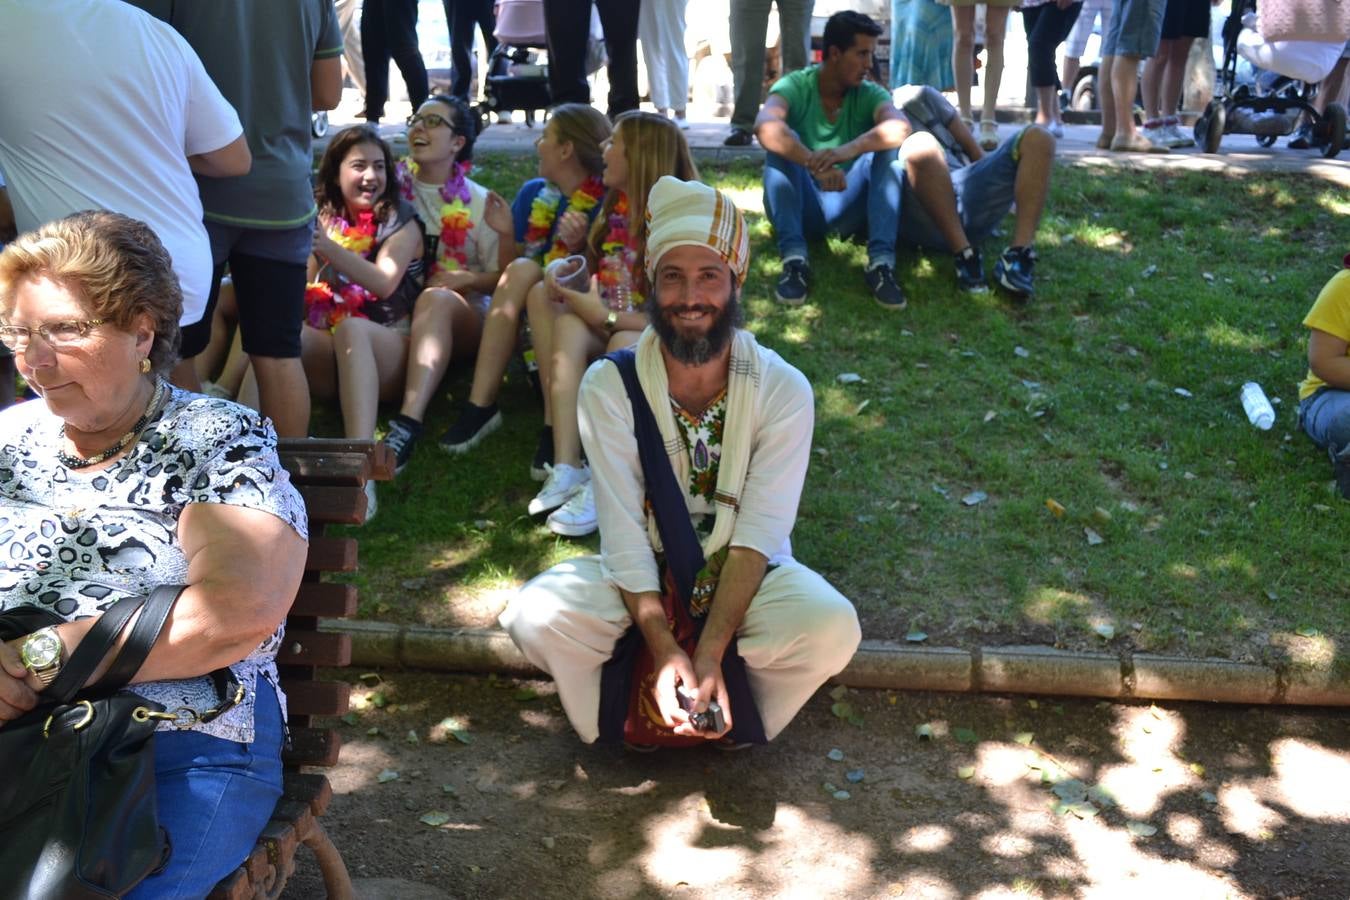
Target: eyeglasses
x: 429, y: 120
x: 58, y: 334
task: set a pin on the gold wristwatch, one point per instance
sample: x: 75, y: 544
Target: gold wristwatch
x: 611, y: 320
x: 41, y: 652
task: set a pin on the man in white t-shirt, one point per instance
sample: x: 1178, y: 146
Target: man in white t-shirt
x: 104, y: 107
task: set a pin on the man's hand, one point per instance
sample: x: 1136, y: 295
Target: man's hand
x: 16, y: 697
x: 821, y: 161
x: 572, y: 229
x: 710, y: 687
x: 830, y: 180
x: 673, y: 669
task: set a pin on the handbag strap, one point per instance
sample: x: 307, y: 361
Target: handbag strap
x: 91, y: 651
x: 142, y: 639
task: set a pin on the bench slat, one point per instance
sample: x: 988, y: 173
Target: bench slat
x: 313, y: 747
x: 331, y: 601
x: 331, y: 554
x: 312, y: 789
x: 335, y: 505
x: 313, y: 648
x: 317, y: 698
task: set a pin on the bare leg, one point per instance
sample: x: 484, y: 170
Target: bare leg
x: 283, y: 394
x: 1175, y: 53
x: 1047, y: 105
x: 1107, y: 101
x: 316, y: 354
x: 544, y: 314
x: 995, y: 28
x: 1151, y: 82
x: 1071, y: 66
x: 223, y: 319
x: 574, y: 346
x: 442, y: 323
x: 499, y: 329
x: 963, y: 55
x: 371, y: 360
x: 1124, y: 82
x: 236, y: 364
x: 926, y: 169
x: 1036, y: 157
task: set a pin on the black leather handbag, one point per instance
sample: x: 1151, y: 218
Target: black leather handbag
x: 78, y: 811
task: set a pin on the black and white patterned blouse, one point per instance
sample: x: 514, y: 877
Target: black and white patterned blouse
x: 76, y: 542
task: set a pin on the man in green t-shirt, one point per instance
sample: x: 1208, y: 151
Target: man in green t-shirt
x: 831, y: 137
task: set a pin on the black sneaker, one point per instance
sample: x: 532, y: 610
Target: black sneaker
x: 970, y: 271
x: 474, y: 424
x: 1303, y: 139
x: 881, y: 282
x: 543, y: 454
x: 739, y: 137
x: 400, y: 437
x: 792, y: 283
x: 1013, y: 271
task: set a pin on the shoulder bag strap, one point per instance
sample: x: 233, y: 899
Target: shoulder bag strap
x: 92, y: 649
x: 143, y: 635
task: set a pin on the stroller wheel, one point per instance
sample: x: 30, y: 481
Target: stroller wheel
x: 1333, y: 127
x: 1265, y: 140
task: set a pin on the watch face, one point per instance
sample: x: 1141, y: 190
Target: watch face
x: 42, y: 649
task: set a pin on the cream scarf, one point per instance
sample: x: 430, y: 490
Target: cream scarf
x: 737, y: 435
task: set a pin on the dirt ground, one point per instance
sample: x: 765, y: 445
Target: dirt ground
x: 1010, y: 796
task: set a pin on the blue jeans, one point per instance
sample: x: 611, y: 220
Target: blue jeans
x: 984, y: 194
x: 800, y: 211
x: 1325, y: 417
x: 215, y: 796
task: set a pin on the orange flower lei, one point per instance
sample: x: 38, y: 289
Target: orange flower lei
x: 619, y: 256
x: 544, y: 211
x: 455, y: 221
x: 358, y: 236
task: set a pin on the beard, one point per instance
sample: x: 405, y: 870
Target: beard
x: 695, y: 351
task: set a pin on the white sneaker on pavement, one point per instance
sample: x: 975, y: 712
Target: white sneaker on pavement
x: 1175, y: 137
x: 576, y: 517
x: 1156, y: 134
x: 563, y: 481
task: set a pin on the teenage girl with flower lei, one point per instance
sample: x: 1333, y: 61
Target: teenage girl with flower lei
x: 571, y: 329
x: 365, y: 276
x: 548, y: 219
x: 461, y: 256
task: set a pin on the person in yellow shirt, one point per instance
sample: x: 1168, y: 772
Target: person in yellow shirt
x: 1324, y: 395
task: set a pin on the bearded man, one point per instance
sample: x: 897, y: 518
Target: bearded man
x: 698, y: 443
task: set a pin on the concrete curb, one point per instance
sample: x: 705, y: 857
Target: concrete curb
x: 894, y: 666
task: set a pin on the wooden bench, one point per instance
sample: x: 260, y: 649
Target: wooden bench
x: 331, y: 476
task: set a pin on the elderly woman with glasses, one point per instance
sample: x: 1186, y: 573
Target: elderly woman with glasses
x: 112, y: 483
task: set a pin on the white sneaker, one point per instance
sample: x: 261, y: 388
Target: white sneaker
x: 1156, y: 134
x: 370, y: 501
x: 563, y: 481
x: 1175, y: 137
x: 576, y: 517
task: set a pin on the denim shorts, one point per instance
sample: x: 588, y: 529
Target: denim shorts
x: 1136, y: 26
x: 984, y: 194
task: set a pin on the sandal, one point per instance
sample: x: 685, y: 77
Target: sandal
x: 1135, y: 143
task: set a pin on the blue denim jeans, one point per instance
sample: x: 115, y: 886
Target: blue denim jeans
x: 215, y: 796
x: 1325, y: 417
x: 800, y: 211
x: 984, y: 194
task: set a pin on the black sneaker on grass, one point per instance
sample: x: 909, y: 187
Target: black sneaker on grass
x: 881, y: 282
x: 791, y: 289
x: 474, y: 424
x: 543, y: 454
x: 970, y: 271
x: 400, y: 437
x: 1013, y: 269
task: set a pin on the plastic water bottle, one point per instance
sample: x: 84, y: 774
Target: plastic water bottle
x: 1259, y: 411
x: 619, y: 290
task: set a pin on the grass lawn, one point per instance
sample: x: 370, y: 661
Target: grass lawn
x: 1114, y: 394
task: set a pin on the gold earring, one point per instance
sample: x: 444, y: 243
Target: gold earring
x: 145, y: 365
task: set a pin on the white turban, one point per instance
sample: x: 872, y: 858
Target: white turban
x: 690, y: 213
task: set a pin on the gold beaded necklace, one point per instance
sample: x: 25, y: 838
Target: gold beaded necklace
x: 71, y: 461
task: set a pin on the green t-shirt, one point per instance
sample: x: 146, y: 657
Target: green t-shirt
x: 806, y: 115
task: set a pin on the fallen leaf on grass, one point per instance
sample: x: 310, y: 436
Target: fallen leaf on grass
x: 916, y: 637
x: 836, y: 754
x: 974, y: 498
x: 841, y: 795
x: 965, y: 772
x: 1093, y: 538
x: 1021, y: 352
x: 435, y: 818
x: 990, y: 415
x: 411, y: 737
x: 386, y: 776
x: 855, y: 775
x: 850, y: 378
x: 1024, y: 738
x: 1198, y: 769
x: 1055, y: 507
x: 1070, y: 790
x: 1101, y: 516
x: 844, y: 710
x: 1104, y: 631
x: 1149, y: 272
x: 861, y: 407
x: 1307, y: 631
x: 1141, y: 829
x: 1182, y: 392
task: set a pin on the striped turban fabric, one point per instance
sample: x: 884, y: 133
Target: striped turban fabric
x: 690, y: 213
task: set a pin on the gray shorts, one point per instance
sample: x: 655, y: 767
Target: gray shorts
x: 1136, y: 26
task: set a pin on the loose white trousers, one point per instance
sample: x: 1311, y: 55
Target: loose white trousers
x: 661, y: 30
x: 797, y: 632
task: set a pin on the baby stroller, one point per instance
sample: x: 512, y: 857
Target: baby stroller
x: 517, y: 71
x: 1271, y: 107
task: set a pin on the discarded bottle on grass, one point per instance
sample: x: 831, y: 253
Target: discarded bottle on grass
x: 1259, y: 411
